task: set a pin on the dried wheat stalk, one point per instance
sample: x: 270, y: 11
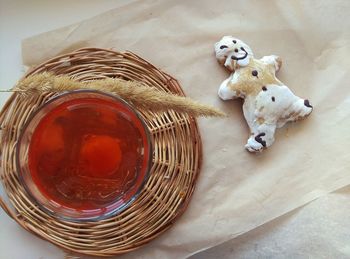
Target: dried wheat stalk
x: 136, y: 93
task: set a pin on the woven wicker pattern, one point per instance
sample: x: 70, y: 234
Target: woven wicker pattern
x: 176, y: 161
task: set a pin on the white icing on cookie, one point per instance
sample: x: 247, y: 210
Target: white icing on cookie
x: 268, y: 103
x: 225, y: 93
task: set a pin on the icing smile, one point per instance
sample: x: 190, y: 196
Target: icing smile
x: 240, y: 58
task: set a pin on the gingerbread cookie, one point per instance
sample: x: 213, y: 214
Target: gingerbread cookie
x: 268, y: 103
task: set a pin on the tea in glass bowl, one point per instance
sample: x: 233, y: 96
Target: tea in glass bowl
x: 84, y: 155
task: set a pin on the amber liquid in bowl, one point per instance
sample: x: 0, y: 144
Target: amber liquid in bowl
x: 88, y: 156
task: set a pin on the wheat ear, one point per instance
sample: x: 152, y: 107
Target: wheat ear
x: 140, y: 95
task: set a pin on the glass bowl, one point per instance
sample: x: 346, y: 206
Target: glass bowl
x: 84, y: 155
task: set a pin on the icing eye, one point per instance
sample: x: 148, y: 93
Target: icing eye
x: 234, y: 41
x: 242, y: 49
x: 236, y: 50
x: 255, y: 73
x: 223, y: 47
x: 264, y: 88
x: 273, y: 98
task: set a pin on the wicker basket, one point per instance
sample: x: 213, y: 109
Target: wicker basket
x: 176, y: 161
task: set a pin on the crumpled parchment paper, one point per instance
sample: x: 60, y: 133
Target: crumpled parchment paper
x: 237, y: 191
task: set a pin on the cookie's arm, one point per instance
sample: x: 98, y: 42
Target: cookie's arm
x: 226, y: 92
x: 274, y: 60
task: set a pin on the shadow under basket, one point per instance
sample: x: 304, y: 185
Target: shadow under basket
x: 177, y: 155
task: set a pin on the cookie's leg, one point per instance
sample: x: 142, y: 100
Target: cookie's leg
x: 306, y: 108
x: 262, y: 137
x: 225, y: 92
x: 300, y: 109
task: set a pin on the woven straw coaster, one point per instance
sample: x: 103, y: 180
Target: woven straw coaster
x: 177, y: 157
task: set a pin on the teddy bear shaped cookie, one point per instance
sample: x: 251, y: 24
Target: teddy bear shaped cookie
x: 268, y: 103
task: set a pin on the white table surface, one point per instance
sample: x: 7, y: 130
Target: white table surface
x: 22, y: 19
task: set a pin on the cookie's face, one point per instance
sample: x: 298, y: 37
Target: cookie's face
x: 231, y: 51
